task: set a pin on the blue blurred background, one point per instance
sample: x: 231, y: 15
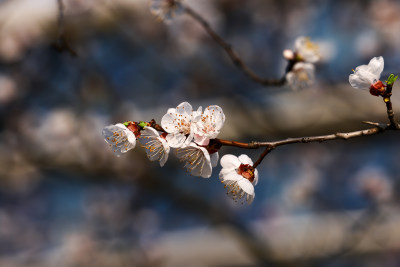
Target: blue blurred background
x: 66, y: 200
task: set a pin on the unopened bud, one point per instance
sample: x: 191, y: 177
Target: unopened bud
x: 377, y: 89
x: 288, y: 54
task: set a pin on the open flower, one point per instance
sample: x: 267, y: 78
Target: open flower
x: 197, y: 160
x: 208, y: 125
x: 239, y: 176
x: 305, y: 50
x: 301, y: 75
x: 366, y: 77
x: 178, y: 123
x: 156, y: 146
x: 165, y: 9
x: 120, y: 138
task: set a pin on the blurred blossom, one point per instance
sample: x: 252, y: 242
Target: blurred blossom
x: 371, y: 38
x: 327, y: 50
x: 8, y: 89
x: 166, y: 9
x: 386, y: 21
x: 303, y: 187
x: 305, y: 50
x: 301, y: 76
x: 375, y: 184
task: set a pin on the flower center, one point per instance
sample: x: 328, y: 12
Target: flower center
x: 247, y: 171
x: 311, y: 46
x: 377, y: 88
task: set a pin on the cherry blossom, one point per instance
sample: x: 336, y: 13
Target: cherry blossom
x: 239, y: 176
x: 208, y: 125
x: 155, y: 144
x: 166, y: 9
x: 198, y: 160
x: 305, y: 50
x: 178, y: 123
x: 301, y: 76
x: 120, y: 138
x: 366, y: 77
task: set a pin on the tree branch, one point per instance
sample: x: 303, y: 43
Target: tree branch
x: 62, y: 45
x: 231, y: 52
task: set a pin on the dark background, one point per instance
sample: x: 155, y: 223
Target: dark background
x: 66, y: 200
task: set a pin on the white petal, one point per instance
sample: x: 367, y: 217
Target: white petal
x: 216, y: 116
x: 255, y: 182
x: 175, y: 140
x: 376, y: 66
x: 149, y: 131
x: 168, y: 122
x: 226, y: 175
x: 363, y: 81
x: 299, y: 42
x: 229, y: 161
x: 184, y: 108
x: 214, y: 159
x: 201, y: 140
x: 197, y: 160
x: 245, y: 159
x: 164, y: 158
x: 247, y: 186
x: 250, y: 198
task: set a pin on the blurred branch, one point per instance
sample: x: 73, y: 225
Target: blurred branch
x: 231, y: 52
x: 62, y: 45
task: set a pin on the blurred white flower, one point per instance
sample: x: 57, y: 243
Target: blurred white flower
x: 306, y: 50
x: 156, y: 146
x: 366, y: 77
x: 197, y: 160
x: 375, y: 184
x: 166, y: 9
x: 301, y: 75
x: 178, y: 124
x: 208, y: 125
x: 120, y: 138
x: 239, y: 176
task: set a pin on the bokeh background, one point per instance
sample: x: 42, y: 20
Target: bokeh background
x: 66, y: 200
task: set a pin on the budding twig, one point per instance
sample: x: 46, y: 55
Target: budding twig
x: 231, y: 52
x: 389, y: 107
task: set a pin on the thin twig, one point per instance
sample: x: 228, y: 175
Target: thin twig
x: 231, y: 52
x: 61, y: 44
x: 389, y: 107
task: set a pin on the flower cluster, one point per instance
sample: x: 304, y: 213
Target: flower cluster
x: 192, y: 133
x: 302, y: 59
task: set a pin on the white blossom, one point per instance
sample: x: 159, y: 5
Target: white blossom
x: 166, y: 9
x: 197, y: 160
x: 239, y: 176
x: 208, y: 125
x: 156, y: 146
x: 367, y: 75
x: 178, y: 123
x: 119, y: 138
x: 306, y: 50
x: 301, y: 76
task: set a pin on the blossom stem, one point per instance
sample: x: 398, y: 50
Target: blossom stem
x: 231, y: 52
x: 389, y: 106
